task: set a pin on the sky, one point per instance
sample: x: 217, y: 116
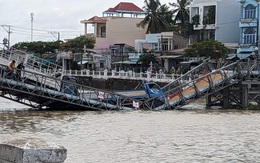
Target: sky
x: 51, y: 17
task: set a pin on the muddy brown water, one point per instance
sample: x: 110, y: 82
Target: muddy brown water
x: 140, y: 136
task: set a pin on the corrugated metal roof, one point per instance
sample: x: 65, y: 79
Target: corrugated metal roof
x: 126, y: 62
x: 238, y: 56
x: 170, y: 56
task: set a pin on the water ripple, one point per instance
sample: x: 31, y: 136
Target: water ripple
x: 142, y: 136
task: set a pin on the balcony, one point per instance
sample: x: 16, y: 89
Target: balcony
x: 102, y: 35
x: 206, y: 26
x: 249, y: 22
x: 246, y: 20
x: 134, y: 56
x: 241, y: 1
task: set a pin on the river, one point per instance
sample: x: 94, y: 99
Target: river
x: 140, y: 136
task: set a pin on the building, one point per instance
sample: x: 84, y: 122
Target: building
x: 215, y: 19
x: 116, y: 31
x: 117, y: 25
x: 168, y: 46
x: 249, y: 27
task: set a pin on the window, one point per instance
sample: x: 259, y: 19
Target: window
x: 249, y: 36
x: 166, y: 44
x: 103, y: 31
x: 212, y: 34
x: 250, y: 11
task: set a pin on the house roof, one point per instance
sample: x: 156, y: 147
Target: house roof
x: 238, y: 56
x: 125, y: 6
x: 95, y: 19
x: 170, y: 56
x: 127, y: 62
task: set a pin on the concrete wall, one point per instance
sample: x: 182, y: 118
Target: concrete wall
x: 121, y: 30
x: 227, y: 22
x: 31, y: 150
x: 112, y: 83
x: 227, y: 18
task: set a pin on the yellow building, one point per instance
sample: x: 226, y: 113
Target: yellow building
x: 117, y: 25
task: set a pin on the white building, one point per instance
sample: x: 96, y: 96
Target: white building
x: 216, y: 19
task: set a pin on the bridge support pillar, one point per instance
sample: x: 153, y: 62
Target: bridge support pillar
x: 208, y: 101
x: 244, y: 96
x: 226, y: 100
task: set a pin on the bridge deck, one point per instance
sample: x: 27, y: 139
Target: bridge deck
x: 45, y: 90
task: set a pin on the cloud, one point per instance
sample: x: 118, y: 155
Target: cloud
x: 51, y: 15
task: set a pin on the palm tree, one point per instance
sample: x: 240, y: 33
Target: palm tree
x: 167, y: 16
x: 157, y: 18
x: 181, y: 12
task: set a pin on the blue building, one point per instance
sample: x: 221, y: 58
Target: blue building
x: 249, y: 27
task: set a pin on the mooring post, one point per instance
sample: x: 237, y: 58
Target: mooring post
x: 30, y: 150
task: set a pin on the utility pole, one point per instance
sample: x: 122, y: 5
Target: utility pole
x: 8, y: 30
x: 9, y: 33
x: 53, y: 34
x: 32, y: 14
x: 58, y: 36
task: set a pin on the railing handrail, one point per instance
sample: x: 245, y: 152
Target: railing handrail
x: 148, y: 76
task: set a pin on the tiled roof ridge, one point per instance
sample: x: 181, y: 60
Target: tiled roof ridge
x: 127, y: 6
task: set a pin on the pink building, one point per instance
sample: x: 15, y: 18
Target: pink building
x: 118, y: 25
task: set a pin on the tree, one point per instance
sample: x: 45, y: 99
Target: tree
x: 158, y: 18
x: 77, y: 44
x: 208, y: 48
x: 210, y: 17
x: 38, y: 47
x: 196, y: 20
x: 146, y: 58
x: 167, y: 16
x: 181, y: 12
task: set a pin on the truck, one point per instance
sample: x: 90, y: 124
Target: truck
x: 148, y: 90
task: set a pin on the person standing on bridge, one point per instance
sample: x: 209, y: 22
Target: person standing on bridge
x: 19, y: 67
x: 10, y: 69
x: 11, y: 65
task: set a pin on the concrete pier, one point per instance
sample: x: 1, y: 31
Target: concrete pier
x: 30, y: 150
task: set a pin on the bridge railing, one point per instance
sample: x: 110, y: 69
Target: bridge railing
x: 43, y: 66
x: 13, y: 54
x: 199, y: 86
x: 204, y: 68
x: 124, y: 75
x: 43, y: 90
x: 31, y: 62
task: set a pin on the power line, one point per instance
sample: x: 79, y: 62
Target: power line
x: 40, y: 33
x: 8, y: 30
x: 46, y: 30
